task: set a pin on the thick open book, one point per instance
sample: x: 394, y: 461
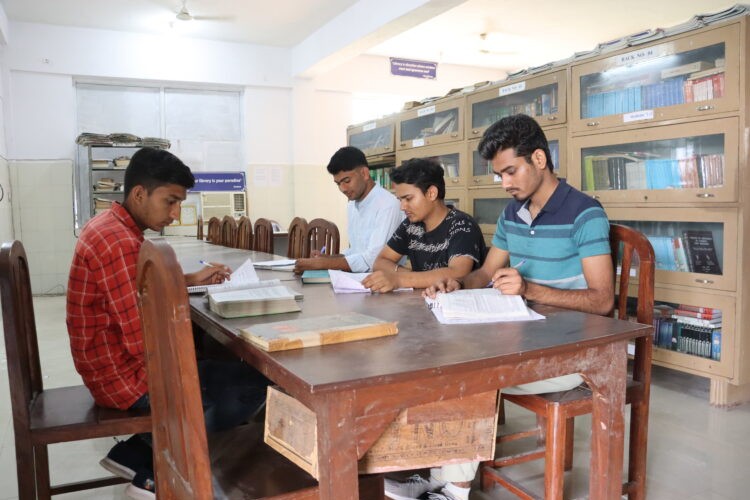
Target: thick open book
x: 241, y: 277
x: 481, y: 305
x: 320, y: 330
x: 254, y: 300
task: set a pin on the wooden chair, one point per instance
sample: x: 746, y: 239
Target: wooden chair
x: 199, y: 234
x: 241, y: 464
x: 263, y: 230
x: 46, y: 416
x: 555, y: 412
x: 297, y: 233
x: 245, y: 233
x: 214, y: 231
x: 322, y: 234
x: 229, y: 231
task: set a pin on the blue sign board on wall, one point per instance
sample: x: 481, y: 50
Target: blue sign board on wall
x: 219, y: 181
x: 415, y: 69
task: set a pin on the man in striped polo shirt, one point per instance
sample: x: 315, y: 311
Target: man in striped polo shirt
x: 551, y: 245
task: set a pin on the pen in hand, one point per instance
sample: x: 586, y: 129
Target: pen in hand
x: 514, y: 266
x: 207, y: 264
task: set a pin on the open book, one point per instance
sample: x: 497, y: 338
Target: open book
x: 481, y: 305
x: 320, y: 330
x: 241, y: 277
x: 254, y: 301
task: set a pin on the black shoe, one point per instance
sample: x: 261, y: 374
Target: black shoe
x: 143, y: 486
x: 127, y: 457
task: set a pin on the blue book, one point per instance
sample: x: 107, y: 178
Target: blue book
x: 716, y: 345
x: 316, y: 276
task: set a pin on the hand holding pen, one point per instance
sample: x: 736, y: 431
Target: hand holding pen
x: 212, y: 273
x: 508, y: 280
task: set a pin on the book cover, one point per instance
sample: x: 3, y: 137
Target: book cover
x: 316, y: 276
x: 701, y: 252
x: 716, y: 345
x: 320, y: 330
x: 255, y: 301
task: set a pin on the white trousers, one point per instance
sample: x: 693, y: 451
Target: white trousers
x: 465, y: 472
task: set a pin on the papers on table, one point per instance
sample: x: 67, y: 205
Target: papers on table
x: 242, y: 277
x: 343, y: 282
x: 482, y: 305
x: 276, y: 265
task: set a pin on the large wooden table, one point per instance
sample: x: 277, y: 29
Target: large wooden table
x: 356, y: 389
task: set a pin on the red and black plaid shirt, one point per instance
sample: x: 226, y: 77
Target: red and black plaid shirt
x: 102, y: 310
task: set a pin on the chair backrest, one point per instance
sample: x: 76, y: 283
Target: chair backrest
x: 263, y: 230
x: 297, y: 234
x: 245, y: 233
x: 626, y: 243
x: 181, y: 458
x: 229, y: 231
x: 19, y: 326
x: 199, y: 232
x: 322, y: 233
x: 214, y: 231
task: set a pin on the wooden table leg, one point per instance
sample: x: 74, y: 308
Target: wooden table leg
x: 337, y: 448
x: 607, y: 379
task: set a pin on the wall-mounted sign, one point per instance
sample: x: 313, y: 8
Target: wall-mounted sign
x: 415, y: 69
x: 218, y: 181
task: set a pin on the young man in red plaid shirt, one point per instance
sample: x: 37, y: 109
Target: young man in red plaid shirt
x: 106, y: 339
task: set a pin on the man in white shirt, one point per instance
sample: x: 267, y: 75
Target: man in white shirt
x: 373, y: 215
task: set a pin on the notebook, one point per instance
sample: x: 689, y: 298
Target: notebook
x: 316, y: 276
x: 344, y: 282
x: 276, y: 265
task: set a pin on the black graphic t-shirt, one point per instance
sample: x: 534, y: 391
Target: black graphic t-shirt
x: 458, y: 235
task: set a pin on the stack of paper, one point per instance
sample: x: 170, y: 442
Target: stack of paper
x: 344, y: 282
x: 254, y: 301
x: 483, y: 305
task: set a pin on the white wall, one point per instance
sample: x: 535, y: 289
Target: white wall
x: 292, y: 126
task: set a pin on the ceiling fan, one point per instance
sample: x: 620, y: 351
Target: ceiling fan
x: 184, y: 15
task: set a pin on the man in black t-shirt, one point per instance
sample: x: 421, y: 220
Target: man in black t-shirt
x: 440, y: 241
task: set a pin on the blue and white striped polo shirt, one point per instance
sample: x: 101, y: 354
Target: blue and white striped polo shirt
x: 570, y: 227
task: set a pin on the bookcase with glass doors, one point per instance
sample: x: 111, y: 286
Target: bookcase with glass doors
x: 655, y: 136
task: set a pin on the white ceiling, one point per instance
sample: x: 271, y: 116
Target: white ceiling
x: 528, y: 33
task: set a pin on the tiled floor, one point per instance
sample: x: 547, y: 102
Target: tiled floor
x: 695, y: 451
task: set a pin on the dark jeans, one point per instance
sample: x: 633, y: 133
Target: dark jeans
x: 232, y: 393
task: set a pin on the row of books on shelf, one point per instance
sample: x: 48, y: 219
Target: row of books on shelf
x: 380, y: 176
x: 688, y: 329
x: 622, y: 171
x: 693, y: 252
x: 670, y: 92
x: 544, y: 104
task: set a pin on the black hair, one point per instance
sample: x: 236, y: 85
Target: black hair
x: 422, y: 173
x: 346, y: 159
x: 520, y: 132
x: 152, y: 168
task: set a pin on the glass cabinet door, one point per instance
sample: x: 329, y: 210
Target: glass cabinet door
x: 692, y: 246
x: 456, y: 197
x: 542, y: 98
x: 693, y: 75
x: 432, y: 124
x: 693, y: 162
x: 373, y: 138
x: 481, y: 169
x: 452, y: 157
x: 682, y: 339
x: 486, y: 206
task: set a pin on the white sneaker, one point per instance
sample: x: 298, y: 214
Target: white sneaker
x: 411, y: 488
x: 443, y: 494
